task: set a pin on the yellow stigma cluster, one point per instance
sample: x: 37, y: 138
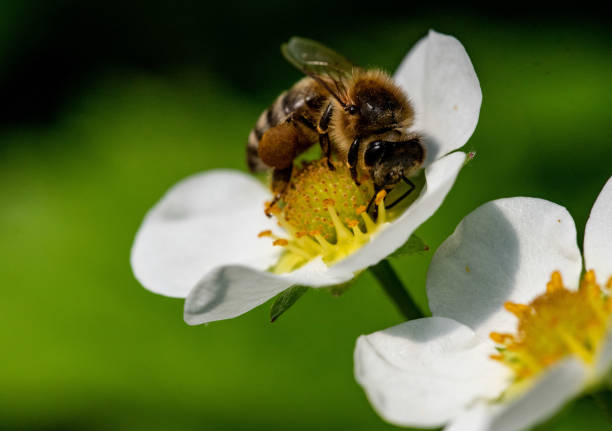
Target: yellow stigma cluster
x: 324, y: 214
x: 556, y: 324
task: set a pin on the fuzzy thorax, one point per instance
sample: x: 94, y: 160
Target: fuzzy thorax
x: 380, y: 104
x: 323, y: 213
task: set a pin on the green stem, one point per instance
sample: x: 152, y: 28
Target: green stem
x: 393, y: 286
x: 603, y: 400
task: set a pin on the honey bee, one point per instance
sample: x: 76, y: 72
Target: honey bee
x: 359, y: 115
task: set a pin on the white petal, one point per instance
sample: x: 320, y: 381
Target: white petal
x: 439, y: 78
x: 505, y: 250
x: 205, y: 221
x: 440, y: 177
x: 476, y: 418
x: 598, y: 236
x: 424, y: 372
x: 230, y: 291
x: 539, y: 403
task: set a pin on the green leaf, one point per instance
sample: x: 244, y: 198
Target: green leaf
x: 285, y: 300
x: 413, y: 245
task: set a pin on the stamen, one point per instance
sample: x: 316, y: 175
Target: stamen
x: 555, y: 283
x: 351, y: 222
x: 342, y: 233
x: 519, y: 310
x: 556, y: 324
x: 370, y: 225
x: 312, y: 210
x: 576, y: 347
x: 500, y: 338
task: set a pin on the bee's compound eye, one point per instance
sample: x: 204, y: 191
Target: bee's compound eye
x: 352, y: 109
x: 374, y: 153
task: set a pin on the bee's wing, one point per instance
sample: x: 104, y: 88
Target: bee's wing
x: 326, y: 66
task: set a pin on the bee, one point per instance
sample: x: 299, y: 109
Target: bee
x: 359, y: 115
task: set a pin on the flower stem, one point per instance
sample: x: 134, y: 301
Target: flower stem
x: 393, y: 286
x: 603, y: 400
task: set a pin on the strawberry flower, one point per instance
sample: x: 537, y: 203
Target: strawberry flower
x: 205, y: 240
x: 516, y: 330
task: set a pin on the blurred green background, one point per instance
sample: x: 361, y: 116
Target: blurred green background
x: 105, y: 105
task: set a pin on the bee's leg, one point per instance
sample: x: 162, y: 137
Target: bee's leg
x: 324, y: 141
x: 406, y: 193
x: 375, y: 210
x: 295, y: 117
x: 280, y: 181
x: 353, y: 156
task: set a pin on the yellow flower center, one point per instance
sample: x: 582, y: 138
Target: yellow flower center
x: 555, y: 325
x: 324, y: 214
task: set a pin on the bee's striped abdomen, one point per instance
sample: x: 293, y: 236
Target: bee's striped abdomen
x: 302, y: 103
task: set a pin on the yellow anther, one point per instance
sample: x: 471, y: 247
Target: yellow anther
x: 500, y: 338
x: 272, y: 208
x: 352, y: 223
x: 264, y: 233
x: 280, y: 242
x: 300, y: 234
x: 380, y: 196
x: 497, y: 357
x: 519, y: 310
x: 329, y: 202
x: 555, y: 283
x: 360, y: 209
x: 556, y: 324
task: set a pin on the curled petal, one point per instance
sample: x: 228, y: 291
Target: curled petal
x: 598, y: 235
x: 424, y: 372
x: 505, y: 250
x: 204, y: 221
x: 230, y: 291
x: 439, y: 78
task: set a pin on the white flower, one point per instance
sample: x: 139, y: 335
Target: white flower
x: 200, y: 241
x: 466, y: 368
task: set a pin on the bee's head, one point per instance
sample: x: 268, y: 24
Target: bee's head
x: 376, y: 104
x: 389, y: 161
